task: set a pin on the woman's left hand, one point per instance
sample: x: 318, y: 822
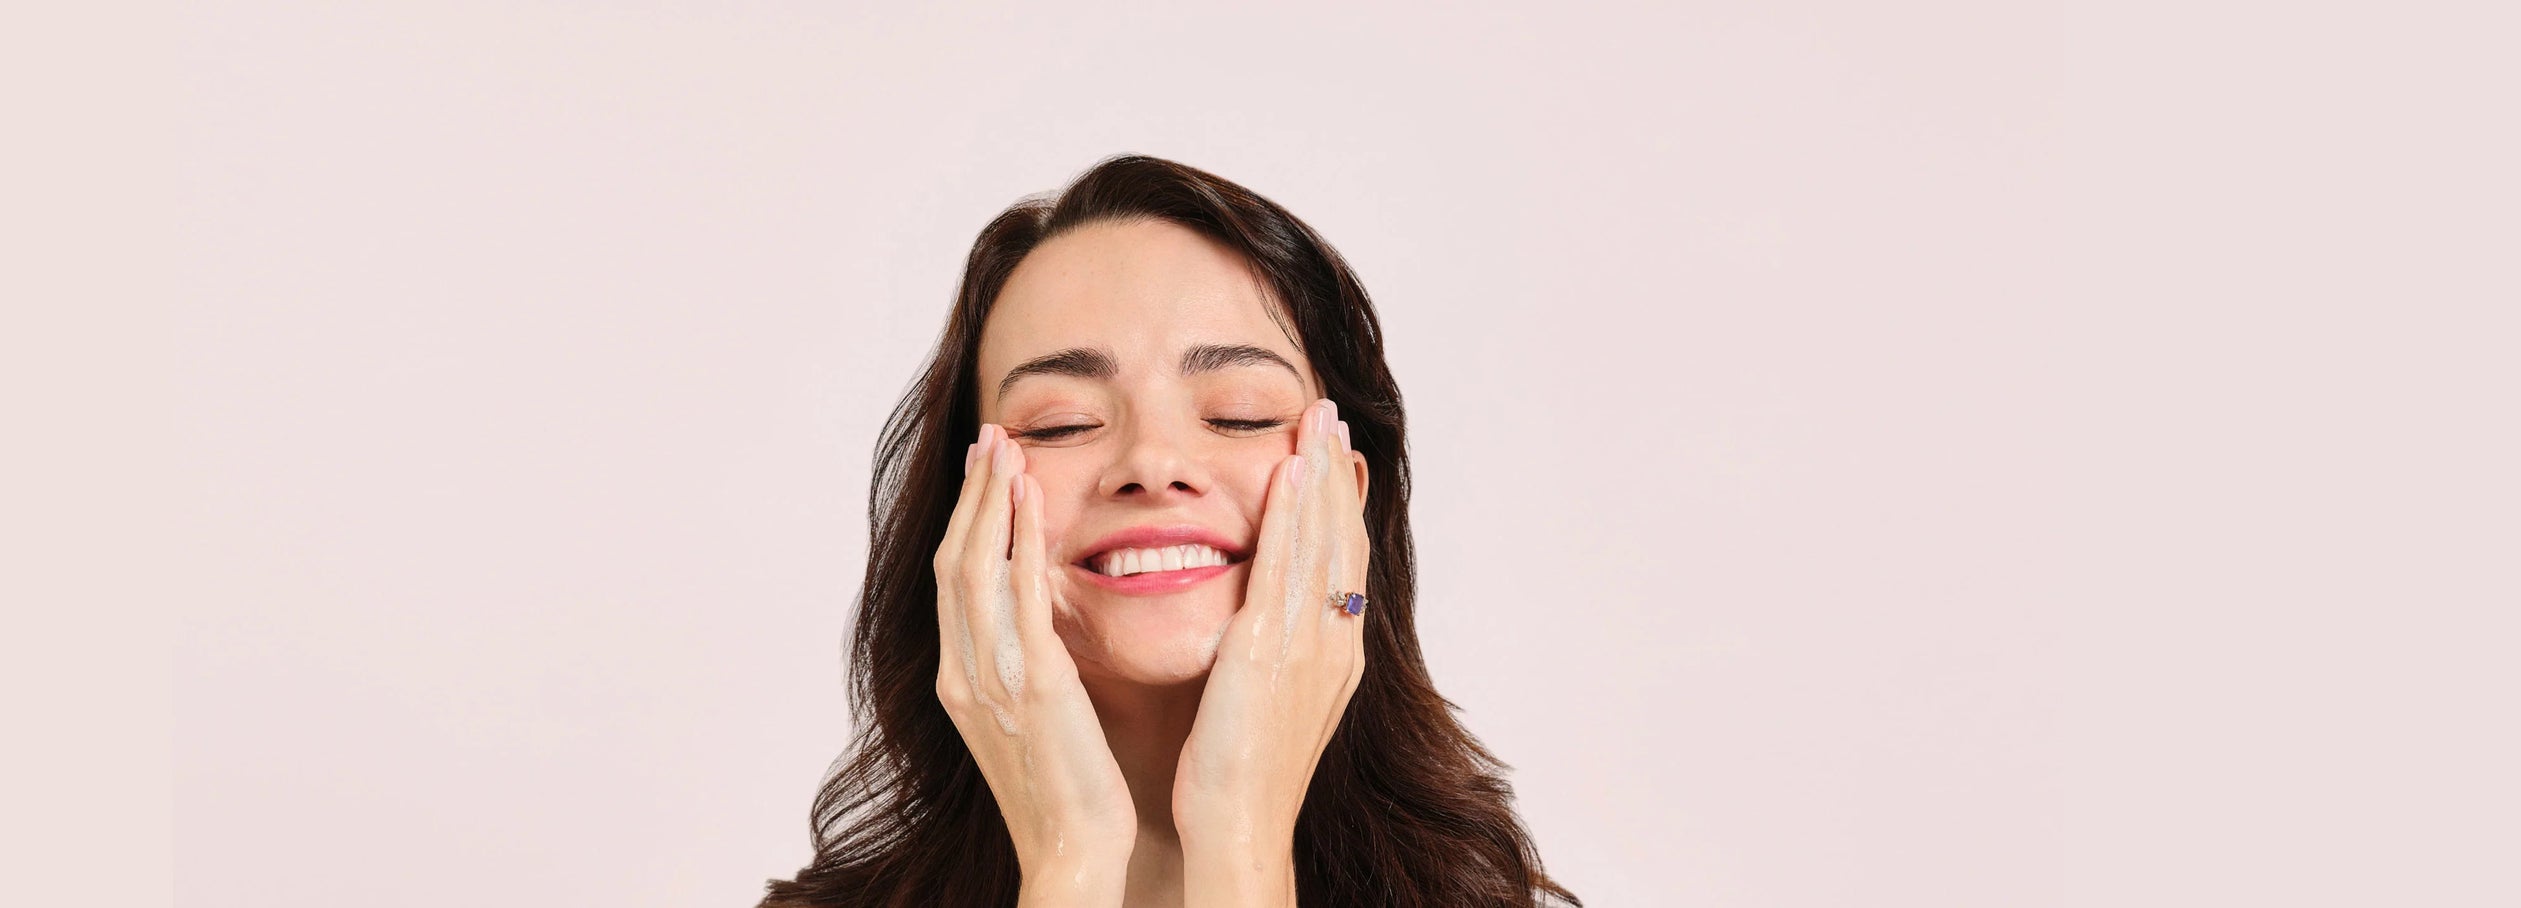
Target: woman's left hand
x: 1285, y: 670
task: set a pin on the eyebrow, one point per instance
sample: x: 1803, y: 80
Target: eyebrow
x: 1212, y: 357
x: 1089, y: 362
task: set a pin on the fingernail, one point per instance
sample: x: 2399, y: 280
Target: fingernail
x: 1005, y: 453
x: 971, y: 452
x: 1017, y: 495
x: 1343, y: 436
x: 1295, y: 468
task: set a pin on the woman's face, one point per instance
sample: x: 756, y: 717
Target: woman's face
x: 1139, y: 368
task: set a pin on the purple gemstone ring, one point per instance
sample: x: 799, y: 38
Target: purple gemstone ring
x: 1352, y: 603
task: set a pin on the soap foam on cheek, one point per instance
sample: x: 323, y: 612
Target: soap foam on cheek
x: 1208, y: 651
x: 1192, y: 653
x: 1086, y: 640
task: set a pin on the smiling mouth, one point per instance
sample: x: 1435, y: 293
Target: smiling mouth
x: 1130, y: 562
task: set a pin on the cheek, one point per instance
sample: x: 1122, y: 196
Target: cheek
x: 1064, y: 496
x: 1249, y: 479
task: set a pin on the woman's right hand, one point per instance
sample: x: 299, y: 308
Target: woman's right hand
x: 1008, y: 682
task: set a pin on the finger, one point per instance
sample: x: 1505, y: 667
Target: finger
x: 1347, y: 492
x: 1347, y: 636
x: 1344, y: 641
x: 1319, y: 536
x: 993, y: 520
x: 1360, y: 545
x: 1360, y: 569
x: 1265, y: 594
x: 975, y: 479
x: 1032, y: 628
x: 952, y: 640
x: 990, y: 615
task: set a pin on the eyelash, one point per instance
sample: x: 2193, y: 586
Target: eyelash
x: 1241, y: 425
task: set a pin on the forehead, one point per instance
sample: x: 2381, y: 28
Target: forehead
x: 1142, y: 291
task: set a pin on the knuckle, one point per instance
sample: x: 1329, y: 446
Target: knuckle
x: 951, y: 692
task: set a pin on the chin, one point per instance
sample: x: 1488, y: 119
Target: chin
x: 1150, y: 641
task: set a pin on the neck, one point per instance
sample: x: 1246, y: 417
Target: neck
x: 1146, y: 727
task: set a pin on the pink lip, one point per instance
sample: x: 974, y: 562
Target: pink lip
x: 1155, y: 583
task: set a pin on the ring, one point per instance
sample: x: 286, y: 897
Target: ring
x: 1352, y: 603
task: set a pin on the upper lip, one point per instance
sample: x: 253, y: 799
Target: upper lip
x: 1156, y: 537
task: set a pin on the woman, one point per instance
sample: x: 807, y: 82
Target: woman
x: 1151, y: 496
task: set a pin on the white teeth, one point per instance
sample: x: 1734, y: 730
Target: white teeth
x: 1124, y: 562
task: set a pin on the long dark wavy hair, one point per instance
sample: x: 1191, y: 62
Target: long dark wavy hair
x: 1405, y: 808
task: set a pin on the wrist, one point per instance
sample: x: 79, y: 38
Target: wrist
x: 1218, y: 874
x: 1074, y: 880
x: 1077, y: 868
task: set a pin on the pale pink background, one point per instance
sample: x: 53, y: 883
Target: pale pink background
x: 1908, y: 454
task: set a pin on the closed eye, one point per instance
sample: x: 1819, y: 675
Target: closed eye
x: 1050, y: 432
x: 1247, y: 425
x: 1054, y: 433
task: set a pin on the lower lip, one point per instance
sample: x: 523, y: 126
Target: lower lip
x: 1153, y: 583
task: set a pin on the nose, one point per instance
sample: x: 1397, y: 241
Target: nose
x: 1155, y: 465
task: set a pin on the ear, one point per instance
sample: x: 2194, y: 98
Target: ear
x: 1363, y: 477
